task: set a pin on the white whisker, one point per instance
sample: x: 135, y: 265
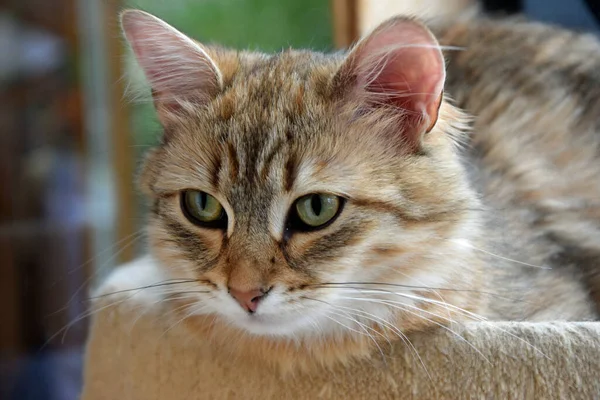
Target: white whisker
x: 401, y: 306
x: 394, y: 329
x: 424, y: 299
x: 193, y: 311
x: 365, y: 328
x: 465, y: 243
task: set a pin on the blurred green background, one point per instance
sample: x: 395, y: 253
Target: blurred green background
x: 265, y: 25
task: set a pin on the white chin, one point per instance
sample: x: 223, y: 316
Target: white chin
x: 268, y: 325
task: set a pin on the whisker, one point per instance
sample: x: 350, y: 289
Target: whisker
x: 186, y: 316
x: 412, y: 287
x: 365, y: 329
x: 449, y: 318
x: 363, y: 326
x: 86, y: 314
x: 400, y: 306
x: 353, y: 311
x: 394, y: 329
x: 458, y: 309
x: 198, y: 307
x: 438, y: 294
x: 154, y: 285
x: 465, y: 243
x: 425, y: 299
x: 345, y: 326
x: 441, y: 303
x: 64, y: 330
x: 161, y: 300
x: 131, y: 236
x: 130, y: 239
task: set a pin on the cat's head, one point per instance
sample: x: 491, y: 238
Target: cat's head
x: 307, y: 195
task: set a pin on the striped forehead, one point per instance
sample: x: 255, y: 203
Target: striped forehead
x: 256, y: 164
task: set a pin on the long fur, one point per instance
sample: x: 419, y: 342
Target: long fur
x: 504, y: 225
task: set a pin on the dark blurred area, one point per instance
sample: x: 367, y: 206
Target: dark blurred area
x: 581, y: 15
x: 42, y: 231
x: 69, y: 143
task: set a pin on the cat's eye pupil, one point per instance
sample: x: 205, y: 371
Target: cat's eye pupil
x: 202, y: 209
x: 316, y: 204
x: 314, y: 211
x: 202, y: 200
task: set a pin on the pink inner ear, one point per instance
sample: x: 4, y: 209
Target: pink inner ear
x: 400, y: 64
x: 174, y: 65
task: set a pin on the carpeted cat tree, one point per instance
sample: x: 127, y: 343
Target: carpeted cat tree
x: 134, y: 354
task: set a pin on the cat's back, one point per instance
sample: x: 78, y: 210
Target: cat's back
x: 495, y: 60
x: 534, y: 93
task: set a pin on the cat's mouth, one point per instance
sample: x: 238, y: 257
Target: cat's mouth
x: 281, y: 324
x: 274, y: 317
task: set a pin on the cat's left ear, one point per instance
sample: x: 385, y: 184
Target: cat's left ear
x: 399, y: 66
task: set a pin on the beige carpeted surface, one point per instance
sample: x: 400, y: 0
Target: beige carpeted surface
x: 132, y: 354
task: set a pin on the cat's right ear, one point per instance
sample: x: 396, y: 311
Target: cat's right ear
x: 177, y: 68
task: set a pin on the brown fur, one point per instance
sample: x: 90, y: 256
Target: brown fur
x: 525, y: 188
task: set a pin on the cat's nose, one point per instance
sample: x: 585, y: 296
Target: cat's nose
x: 248, y: 299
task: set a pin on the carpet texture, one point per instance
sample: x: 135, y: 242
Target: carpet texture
x: 132, y: 354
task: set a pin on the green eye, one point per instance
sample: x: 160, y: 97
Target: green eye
x: 203, y: 209
x: 315, y: 211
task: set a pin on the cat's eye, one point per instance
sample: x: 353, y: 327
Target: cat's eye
x: 315, y: 211
x: 203, y: 209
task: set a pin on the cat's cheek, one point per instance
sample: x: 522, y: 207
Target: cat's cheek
x: 180, y: 262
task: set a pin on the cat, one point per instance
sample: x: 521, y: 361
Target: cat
x: 307, y: 208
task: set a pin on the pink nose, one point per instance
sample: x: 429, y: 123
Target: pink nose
x: 247, y: 299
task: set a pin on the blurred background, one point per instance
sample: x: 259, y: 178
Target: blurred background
x: 70, y: 144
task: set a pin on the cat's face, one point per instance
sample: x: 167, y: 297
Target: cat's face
x: 297, y: 203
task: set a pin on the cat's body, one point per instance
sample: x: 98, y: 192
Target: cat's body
x: 420, y: 232
x: 534, y: 155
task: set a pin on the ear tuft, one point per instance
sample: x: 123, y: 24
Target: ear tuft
x: 176, y: 67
